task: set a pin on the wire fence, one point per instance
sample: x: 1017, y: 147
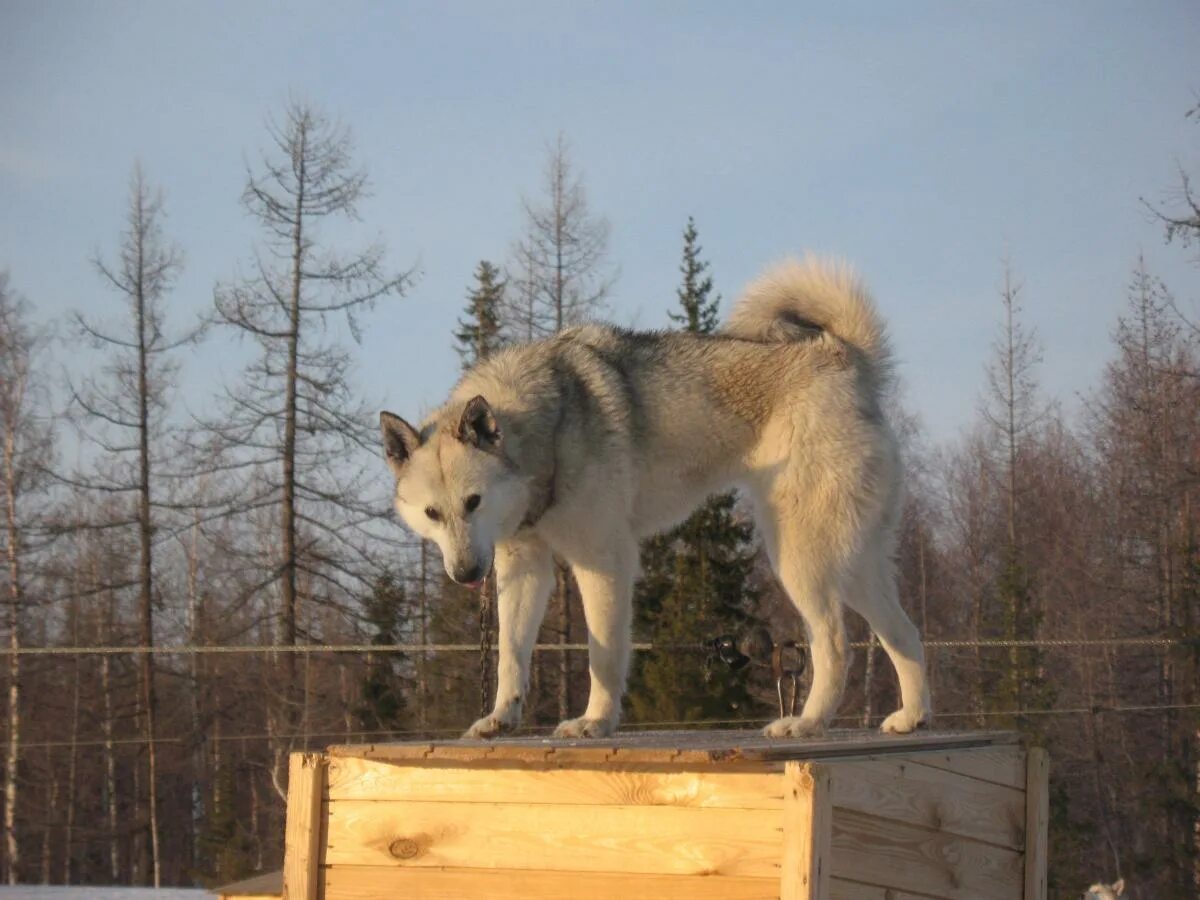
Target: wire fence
x: 474, y: 648
x: 193, y: 649
x: 450, y: 733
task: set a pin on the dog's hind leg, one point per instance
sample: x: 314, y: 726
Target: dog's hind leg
x: 524, y: 579
x: 607, y: 593
x: 874, y: 595
x: 813, y: 583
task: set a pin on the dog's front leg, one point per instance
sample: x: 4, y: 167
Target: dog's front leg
x: 524, y: 579
x: 607, y: 593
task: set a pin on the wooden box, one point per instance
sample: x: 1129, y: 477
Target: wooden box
x: 722, y: 815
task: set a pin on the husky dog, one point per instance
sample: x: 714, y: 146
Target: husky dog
x: 1100, y: 891
x: 583, y: 443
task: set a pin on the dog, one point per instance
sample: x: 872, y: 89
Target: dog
x: 580, y: 444
x: 1100, y: 891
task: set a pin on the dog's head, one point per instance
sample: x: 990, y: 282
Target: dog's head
x: 455, y: 485
x: 1106, y: 891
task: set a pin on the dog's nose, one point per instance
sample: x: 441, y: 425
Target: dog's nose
x: 470, y: 575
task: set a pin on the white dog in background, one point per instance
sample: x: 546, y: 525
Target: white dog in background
x: 581, y: 444
x: 1106, y: 891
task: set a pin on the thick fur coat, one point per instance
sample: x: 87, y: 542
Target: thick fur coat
x: 583, y: 443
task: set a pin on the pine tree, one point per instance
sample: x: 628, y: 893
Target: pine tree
x: 699, y: 309
x: 695, y: 581
x: 383, y: 705
x: 479, y: 336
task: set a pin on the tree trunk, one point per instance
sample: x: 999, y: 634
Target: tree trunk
x: 73, y: 750
x: 15, y: 598
x: 195, y: 662
x: 50, y: 815
x: 423, y: 658
x: 145, y: 536
x: 110, y: 758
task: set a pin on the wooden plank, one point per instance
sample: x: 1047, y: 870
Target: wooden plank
x: 999, y: 765
x: 911, y: 858
x: 302, y: 838
x: 361, y: 779
x: 648, y: 839
x: 1037, y: 821
x: 938, y: 799
x: 845, y: 889
x: 807, y: 817
x: 388, y: 883
x: 677, y: 747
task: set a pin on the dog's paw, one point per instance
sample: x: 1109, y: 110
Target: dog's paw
x: 584, y: 727
x: 902, y: 721
x: 794, y: 726
x: 494, y: 724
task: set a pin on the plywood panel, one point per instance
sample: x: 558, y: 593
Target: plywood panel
x: 935, y: 798
x: 916, y: 859
x: 999, y: 765
x: 647, y: 839
x: 362, y: 779
x: 844, y: 889
x: 380, y: 883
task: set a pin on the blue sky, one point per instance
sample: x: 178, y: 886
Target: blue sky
x: 922, y: 142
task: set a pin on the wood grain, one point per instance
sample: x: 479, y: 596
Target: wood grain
x: 302, y: 837
x: 362, y: 779
x: 1037, y: 820
x: 380, y: 883
x: 807, y: 816
x: 935, y: 798
x: 844, y: 889
x: 911, y: 858
x: 647, y: 839
x: 999, y: 765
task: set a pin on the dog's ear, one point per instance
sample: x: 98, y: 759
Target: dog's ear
x: 399, y: 440
x: 478, y: 425
x: 1119, y: 886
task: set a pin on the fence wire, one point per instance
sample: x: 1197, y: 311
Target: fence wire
x: 216, y: 649
x: 444, y: 733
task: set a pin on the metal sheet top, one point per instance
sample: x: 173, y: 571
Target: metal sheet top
x: 702, y: 747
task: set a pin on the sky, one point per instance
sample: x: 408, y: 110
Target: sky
x: 923, y: 142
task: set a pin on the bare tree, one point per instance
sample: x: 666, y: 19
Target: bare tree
x: 559, y: 276
x: 26, y: 445
x: 1013, y: 409
x: 1182, y: 222
x: 294, y: 425
x: 124, y: 413
x: 559, y: 271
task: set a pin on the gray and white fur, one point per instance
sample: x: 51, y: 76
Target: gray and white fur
x: 583, y: 443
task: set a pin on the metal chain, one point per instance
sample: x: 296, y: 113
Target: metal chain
x: 485, y: 640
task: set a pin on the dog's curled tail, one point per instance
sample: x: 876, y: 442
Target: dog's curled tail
x: 799, y: 300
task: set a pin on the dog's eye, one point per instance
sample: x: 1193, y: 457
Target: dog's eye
x: 433, y: 514
x: 472, y: 503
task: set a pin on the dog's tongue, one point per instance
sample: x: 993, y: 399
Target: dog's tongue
x: 474, y: 584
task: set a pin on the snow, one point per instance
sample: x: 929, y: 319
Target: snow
x: 39, y: 892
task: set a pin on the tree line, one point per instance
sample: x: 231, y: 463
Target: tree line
x: 1051, y: 560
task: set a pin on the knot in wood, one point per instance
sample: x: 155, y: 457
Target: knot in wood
x: 404, y: 848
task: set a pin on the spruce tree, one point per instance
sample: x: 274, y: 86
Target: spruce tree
x: 699, y: 309
x: 479, y: 336
x: 695, y: 581
x: 383, y: 705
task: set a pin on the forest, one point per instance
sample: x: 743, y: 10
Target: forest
x: 193, y: 591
